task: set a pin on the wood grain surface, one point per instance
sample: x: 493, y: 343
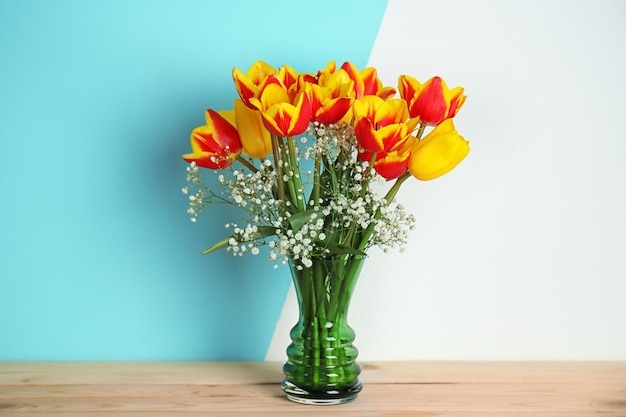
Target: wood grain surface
x: 191, y: 389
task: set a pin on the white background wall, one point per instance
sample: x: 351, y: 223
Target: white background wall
x: 520, y: 253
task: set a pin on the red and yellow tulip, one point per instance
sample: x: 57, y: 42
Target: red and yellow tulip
x: 432, y: 101
x: 282, y: 115
x: 332, y: 95
x: 367, y: 83
x: 252, y: 83
x: 381, y: 125
x: 214, y: 145
x: 437, y: 153
x: 326, y: 108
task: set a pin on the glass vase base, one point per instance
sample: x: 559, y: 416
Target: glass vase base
x: 329, y: 397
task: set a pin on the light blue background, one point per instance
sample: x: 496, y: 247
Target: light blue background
x: 98, y: 259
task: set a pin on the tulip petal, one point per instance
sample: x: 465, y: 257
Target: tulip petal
x: 302, y: 113
x: 273, y: 94
x: 229, y: 115
x: 409, y: 89
x: 245, y: 87
x: 392, y: 165
x: 223, y: 133
x: 456, y: 101
x: 367, y: 140
x: 366, y: 107
x: 332, y: 111
x: 431, y: 102
x: 391, y: 136
x: 390, y: 112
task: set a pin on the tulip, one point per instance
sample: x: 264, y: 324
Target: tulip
x: 381, y: 126
x: 437, y: 153
x: 282, y: 115
x: 367, y: 83
x: 256, y: 140
x: 339, y: 82
x: 214, y: 145
x: 328, y: 70
x: 332, y: 94
x: 432, y: 101
x: 326, y: 108
x: 252, y: 83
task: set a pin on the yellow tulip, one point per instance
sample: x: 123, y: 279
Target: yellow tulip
x: 438, y: 153
x: 255, y: 138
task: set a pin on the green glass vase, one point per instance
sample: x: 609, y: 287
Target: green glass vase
x: 321, y: 366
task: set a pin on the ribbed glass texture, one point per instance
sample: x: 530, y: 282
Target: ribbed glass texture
x: 321, y: 366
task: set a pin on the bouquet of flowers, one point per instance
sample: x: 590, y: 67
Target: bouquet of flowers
x: 301, y: 153
x: 320, y: 141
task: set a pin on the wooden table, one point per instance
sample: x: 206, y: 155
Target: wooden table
x: 192, y: 389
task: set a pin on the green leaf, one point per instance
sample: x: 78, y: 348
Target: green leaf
x: 262, y: 232
x: 300, y: 219
x: 219, y: 245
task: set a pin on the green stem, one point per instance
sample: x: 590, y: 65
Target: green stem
x: 315, y: 193
x: 334, y: 182
x: 420, y: 131
x: 391, y: 194
x: 344, y: 280
x: 279, y: 171
x: 247, y: 163
x: 320, y: 290
x: 293, y: 163
x: 290, y: 191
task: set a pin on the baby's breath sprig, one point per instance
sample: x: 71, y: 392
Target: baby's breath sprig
x: 200, y: 195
